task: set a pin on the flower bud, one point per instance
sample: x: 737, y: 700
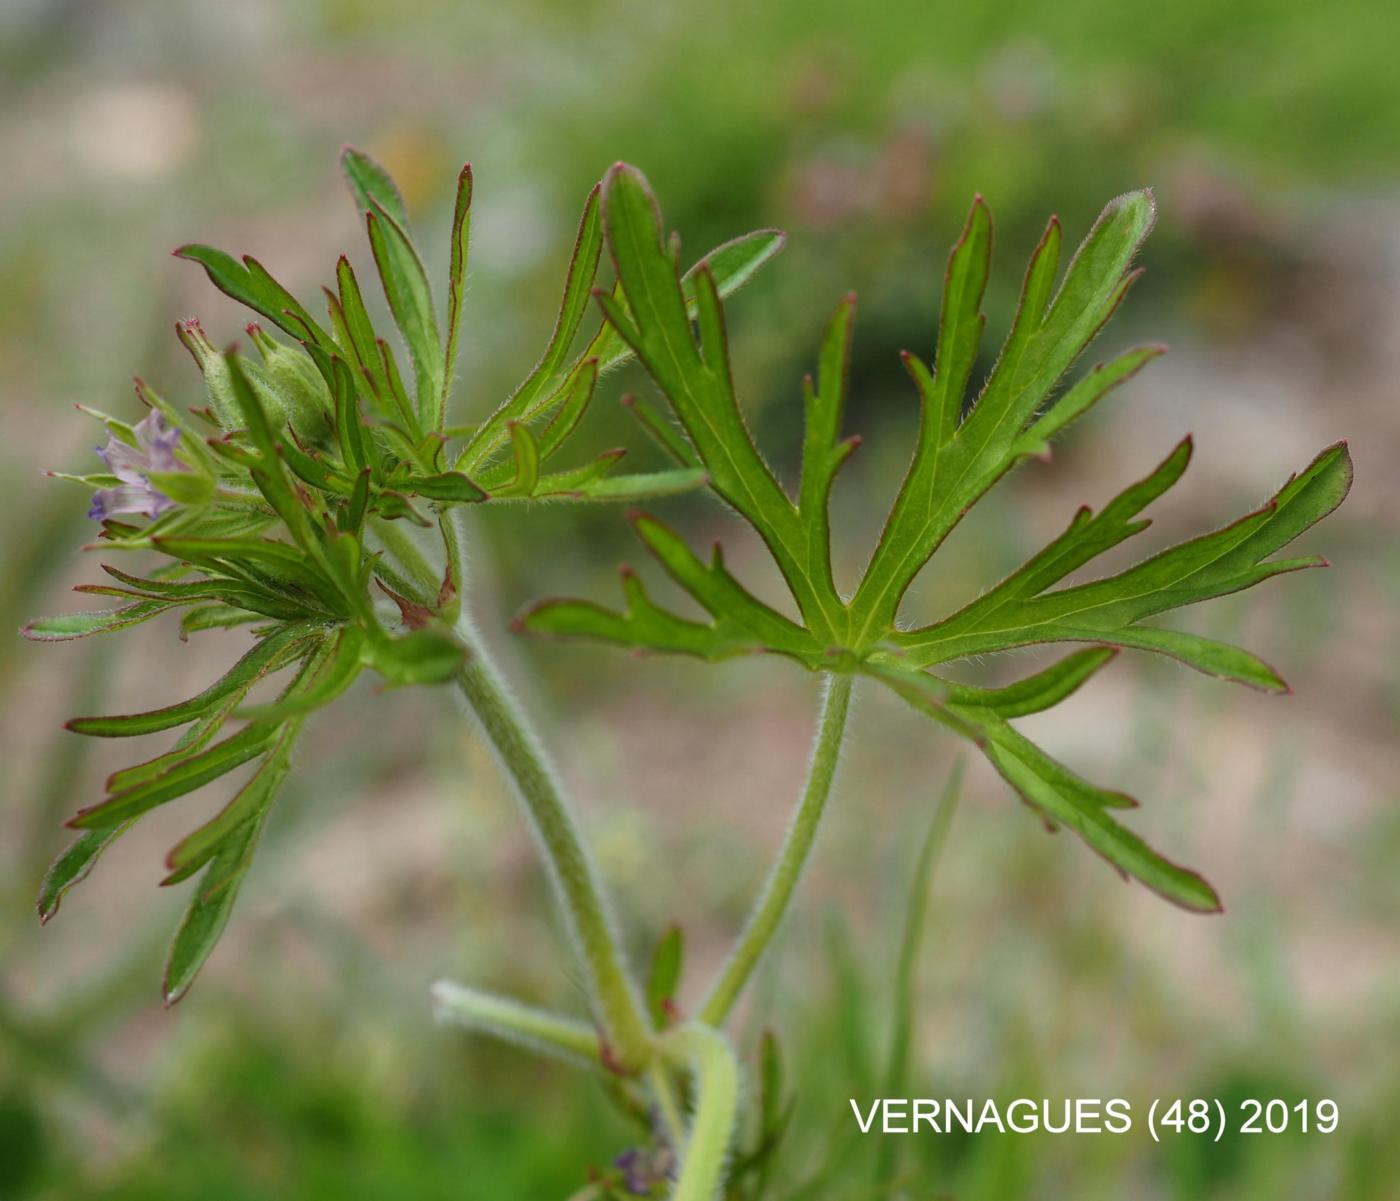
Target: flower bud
x: 218, y: 384
x: 298, y: 385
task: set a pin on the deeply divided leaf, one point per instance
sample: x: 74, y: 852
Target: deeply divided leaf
x: 968, y: 440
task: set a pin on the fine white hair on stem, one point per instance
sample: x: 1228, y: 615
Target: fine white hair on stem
x: 514, y: 1022
x: 717, y: 1093
x: 576, y: 881
x: 776, y: 896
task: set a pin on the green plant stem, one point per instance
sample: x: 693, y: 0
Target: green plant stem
x: 511, y: 1020
x: 617, y: 1006
x: 777, y: 892
x: 662, y: 1088
x: 708, y: 1055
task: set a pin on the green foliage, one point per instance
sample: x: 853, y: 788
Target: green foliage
x: 965, y: 446
x: 276, y: 506
x: 283, y: 506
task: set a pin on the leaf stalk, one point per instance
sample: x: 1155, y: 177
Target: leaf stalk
x: 777, y: 893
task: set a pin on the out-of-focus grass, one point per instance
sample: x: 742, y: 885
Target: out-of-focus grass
x: 305, y: 1065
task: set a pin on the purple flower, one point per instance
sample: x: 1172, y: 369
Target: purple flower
x: 635, y: 1166
x: 132, y: 465
x: 644, y: 1169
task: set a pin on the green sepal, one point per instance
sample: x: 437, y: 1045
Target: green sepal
x: 218, y: 387
x: 193, y: 489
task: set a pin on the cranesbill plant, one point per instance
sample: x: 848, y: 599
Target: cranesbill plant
x: 294, y: 500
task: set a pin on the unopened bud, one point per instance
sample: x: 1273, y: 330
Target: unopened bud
x: 298, y: 384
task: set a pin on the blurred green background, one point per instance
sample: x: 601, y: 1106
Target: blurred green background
x: 305, y: 1064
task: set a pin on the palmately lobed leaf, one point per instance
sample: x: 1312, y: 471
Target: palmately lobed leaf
x: 965, y: 445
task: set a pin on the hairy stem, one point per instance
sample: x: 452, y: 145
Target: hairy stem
x: 663, y: 1090
x: 777, y: 892
x: 616, y: 1004
x: 515, y: 1022
x: 708, y: 1055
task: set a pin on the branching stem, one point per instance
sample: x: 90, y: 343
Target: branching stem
x: 515, y: 1022
x: 617, y: 1006
x: 708, y: 1055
